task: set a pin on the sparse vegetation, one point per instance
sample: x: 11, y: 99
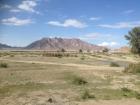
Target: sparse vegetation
x: 12, y: 55
x: 132, y: 68
x: 87, y: 95
x: 83, y: 57
x: 58, y: 54
x: 137, y: 95
x: 98, y: 56
x: 130, y: 93
x: 124, y: 89
x: 80, y: 51
x: 3, y: 65
x: 114, y: 64
x: 63, y: 50
x: 77, y: 80
x: 9, y: 89
x: 88, y: 79
x: 106, y: 50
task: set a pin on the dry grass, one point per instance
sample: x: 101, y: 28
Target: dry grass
x: 67, y: 78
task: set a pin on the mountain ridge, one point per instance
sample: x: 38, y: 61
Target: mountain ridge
x: 4, y: 46
x: 62, y: 43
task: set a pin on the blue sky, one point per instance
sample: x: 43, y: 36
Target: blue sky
x: 101, y: 22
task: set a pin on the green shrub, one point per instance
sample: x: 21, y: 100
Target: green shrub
x: 128, y: 93
x: 114, y: 64
x: 124, y: 89
x: 79, y: 81
x: 63, y: 50
x: 11, y: 55
x: 87, y: 95
x: 137, y: 95
x: 132, y: 68
x: 58, y: 54
x: 98, y: 56
x: 80, y: 51
x: 82, y: 58
x: 3, y: 65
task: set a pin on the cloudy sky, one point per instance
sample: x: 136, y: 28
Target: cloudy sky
x: 101, y: 22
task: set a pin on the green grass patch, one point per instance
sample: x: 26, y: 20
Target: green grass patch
x: 30, y: 86
x: 109, y: 94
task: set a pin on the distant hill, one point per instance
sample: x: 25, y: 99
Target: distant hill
x: 123, y: 49
x: 4, y: 46
x: 52, y: 44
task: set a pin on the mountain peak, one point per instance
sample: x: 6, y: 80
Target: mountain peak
x: 58, y: 43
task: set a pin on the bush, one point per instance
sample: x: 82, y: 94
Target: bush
x: 132, y: 68
x: 63, y: 50
x: 82, y: 58
x: 87, y: 95
x: 80, y: 51
x: 114, y: 64
x: 58, y: 54
x: 98, y: 56
x: 11, y: 55
x: 79, y: 81
x: 124, y: 89
x: 3, y: 65
x: 128, y: 92
x: 138, y: 96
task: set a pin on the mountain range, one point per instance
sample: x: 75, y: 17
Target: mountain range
x: 54, y: 44
x: 4, y: 46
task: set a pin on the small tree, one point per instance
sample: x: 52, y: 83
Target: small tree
x: 134, y: 40
x: 63, y: 50
x: 105, y: 50
x: 80, y: 51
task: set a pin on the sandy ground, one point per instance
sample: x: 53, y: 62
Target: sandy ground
x: 111, y: 102
x: 40, y: 98
x: 67, y: 64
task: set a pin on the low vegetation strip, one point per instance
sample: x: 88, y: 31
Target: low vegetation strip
x: 3, y: 65
x: 114, y: 64
x: 132, y: 68
x: 66, y: 64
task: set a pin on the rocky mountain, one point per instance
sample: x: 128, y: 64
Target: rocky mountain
x: 4, y: 46
x: 73, y: 44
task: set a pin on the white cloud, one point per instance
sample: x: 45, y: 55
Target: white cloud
x: 28, y: 5
x: 5, y: 6
x: 108, y: 44
x: 15, y: 21
x: 68, y: 23
x: 90, y: 36
x: 121, y: 25
x: 15, y: 10
x: 95, y: 36
x: 95, y: 18
x: 128, y: 11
